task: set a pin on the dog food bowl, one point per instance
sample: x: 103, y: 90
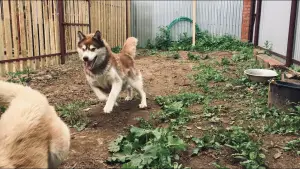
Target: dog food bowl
x: 260, y: 75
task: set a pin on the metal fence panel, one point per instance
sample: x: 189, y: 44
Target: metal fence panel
x: 274, y: 25
x: 218, y: 17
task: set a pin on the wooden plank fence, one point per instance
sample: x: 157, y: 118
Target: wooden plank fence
x: 110, y: 18
x: 40, y: 33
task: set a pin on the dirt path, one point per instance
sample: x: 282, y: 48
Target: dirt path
x: 66, y: 84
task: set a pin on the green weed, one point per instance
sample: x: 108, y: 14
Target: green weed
x: 192, y: 56
x: 73, y: 115
x: 176, y: 56
x: 207, y: 74
x: 174, y: 107
x: 21, y: 77
x: 143, y: 148
x: 163, y: 39
x: 144, y: 124
x: 293, y: 145
x: 205, y: 42
x: 187, y: 99
x: 247, y: 151
x: 268, y: 45
x: 116, y: 49
x: 2, y: 109
x: 225, y: 61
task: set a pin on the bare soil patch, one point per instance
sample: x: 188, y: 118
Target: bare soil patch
x: 89, y: 148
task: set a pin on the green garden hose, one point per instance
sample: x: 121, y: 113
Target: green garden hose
x: 182, y: 18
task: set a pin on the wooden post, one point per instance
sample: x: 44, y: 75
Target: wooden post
x: 128, y: 19
x: 292, y: 27
x: 60, y: 6
x: 194, y: 23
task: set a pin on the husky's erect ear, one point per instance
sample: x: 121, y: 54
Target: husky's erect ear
x: 97, y: 35
x: 80, y: 36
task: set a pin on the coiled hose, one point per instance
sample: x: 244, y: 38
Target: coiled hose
x: 182, y: 18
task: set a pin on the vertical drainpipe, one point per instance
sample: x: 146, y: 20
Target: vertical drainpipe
x: 292, y: 25
x: 257, y: 22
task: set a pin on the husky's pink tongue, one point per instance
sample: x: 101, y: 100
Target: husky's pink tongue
x: 88, y: 64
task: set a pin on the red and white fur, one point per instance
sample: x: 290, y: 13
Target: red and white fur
x: 109, y: 73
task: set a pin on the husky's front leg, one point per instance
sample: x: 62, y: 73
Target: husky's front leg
x: 112, y: 97
x: 101, y: 96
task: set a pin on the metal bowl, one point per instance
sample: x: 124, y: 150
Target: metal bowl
x: 260, y: 75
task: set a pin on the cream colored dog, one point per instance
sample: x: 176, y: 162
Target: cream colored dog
x: 31, y: 133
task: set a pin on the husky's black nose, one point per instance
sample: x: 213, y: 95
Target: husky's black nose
x: 85, y: 58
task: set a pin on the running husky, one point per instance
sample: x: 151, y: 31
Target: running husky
x: 31, y: 133
x: 108, y: 73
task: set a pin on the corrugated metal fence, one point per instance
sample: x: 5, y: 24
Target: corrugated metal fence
x: 297, y: 36
x: 218, y: 17
x: 274, y: 25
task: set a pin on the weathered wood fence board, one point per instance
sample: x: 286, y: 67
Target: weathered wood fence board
x: 31, y: 30
x: 110, y: 18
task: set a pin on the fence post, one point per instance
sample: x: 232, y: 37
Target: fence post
x: 252, y: 20
x: 90, y: 26
x: 257, y: 22
x: 128, y: 19
x: 291, y: 35
x: 194, y: 23
x: 62, y: 31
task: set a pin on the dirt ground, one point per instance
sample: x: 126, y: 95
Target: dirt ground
x: 67, y: 83
x: 162, y: 76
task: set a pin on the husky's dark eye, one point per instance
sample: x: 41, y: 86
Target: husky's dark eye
x: 93, y: 49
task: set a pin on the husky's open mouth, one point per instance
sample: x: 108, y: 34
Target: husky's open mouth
x: 90, y: 64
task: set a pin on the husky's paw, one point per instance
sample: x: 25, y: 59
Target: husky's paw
x: 128, y: 98
x: 142, y: 105
x: 107, y: 109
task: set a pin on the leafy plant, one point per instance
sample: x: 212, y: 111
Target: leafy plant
x: 204, y: 42
x: 176, y: 56
x: 218, y: 166
x: 268, y: 45
x: 186, y: 98
x: 192, y: 56
x: 225, y: 61
x: 207, y: 74
x: 149, y: 45
x: 143, y: 148
x: 293, y: 145
x: 247, y: 151
x: 72, y: 114
x: 21, y: 77
x: 284, y: 124
x: 2, y: 109
x: 163, y: 39
x: 174, y: 107
x: 116, y: 49
x: 144, y: 123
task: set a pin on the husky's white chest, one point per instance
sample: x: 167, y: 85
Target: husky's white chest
x: 104, y: 81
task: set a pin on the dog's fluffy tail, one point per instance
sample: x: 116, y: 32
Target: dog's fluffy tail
x: 9, y: 91
x: 26, y: 128
x: 23, y: 131
x: 129, y: 47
